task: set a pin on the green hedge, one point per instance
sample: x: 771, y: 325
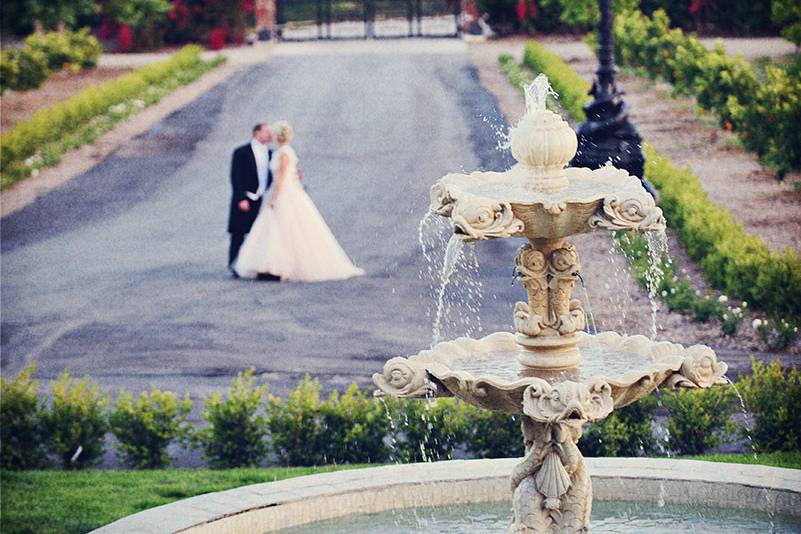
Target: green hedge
x: 29, y: 66
x: 737, y: 263
x: 243, y: 427
x: 31, y: 137
x: 765, y: 113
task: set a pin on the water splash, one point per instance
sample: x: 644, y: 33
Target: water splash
x: 537, y: 93
x: 591, y: 326
x: 455, y: 306
x: 746, y: 416
x: 621, y: 301
x: 658, y: 256
x: 502, y: 138
x: 452, y: 254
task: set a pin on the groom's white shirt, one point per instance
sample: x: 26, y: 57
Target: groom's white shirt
x: 260, y: 153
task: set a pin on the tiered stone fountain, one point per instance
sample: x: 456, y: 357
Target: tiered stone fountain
x: 551, y: 372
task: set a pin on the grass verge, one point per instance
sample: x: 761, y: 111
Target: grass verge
x: 790, y: 460
x: 74, y: 502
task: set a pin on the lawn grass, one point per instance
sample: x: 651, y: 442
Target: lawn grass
x: 773, y: 459
x: 75, y: 502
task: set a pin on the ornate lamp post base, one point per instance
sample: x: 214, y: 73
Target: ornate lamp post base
x: 607, y: 135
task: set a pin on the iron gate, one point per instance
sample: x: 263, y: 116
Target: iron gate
x: 367, y: 19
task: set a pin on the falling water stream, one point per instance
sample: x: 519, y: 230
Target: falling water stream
x: 658, y: 254
x: 591, y: 326
x: 452, y: 254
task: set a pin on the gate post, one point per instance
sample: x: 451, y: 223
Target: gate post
x: 457, y: 15
x: 410, y: 16
x: 319, y: 19
x: 266, y: 14
x: 369, y: 19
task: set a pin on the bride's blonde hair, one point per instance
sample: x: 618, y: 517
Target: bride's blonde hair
x: 283, y: 132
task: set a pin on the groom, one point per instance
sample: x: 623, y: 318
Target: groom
x: 250, y: 178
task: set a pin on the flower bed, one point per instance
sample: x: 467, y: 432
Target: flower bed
x: 738, y: 263
x: 43, y: 138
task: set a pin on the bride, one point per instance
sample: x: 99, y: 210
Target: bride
x: 289, y: 238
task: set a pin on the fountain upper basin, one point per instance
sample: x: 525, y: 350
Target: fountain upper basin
x: 485, y: 205
x: 616, y: 371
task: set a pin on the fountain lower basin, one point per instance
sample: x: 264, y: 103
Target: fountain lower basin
x: 616, y: 370
x: 299, y: 501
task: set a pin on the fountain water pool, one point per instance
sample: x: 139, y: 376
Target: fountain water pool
x: 611, y: 517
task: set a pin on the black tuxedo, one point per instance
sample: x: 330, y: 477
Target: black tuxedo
x: 244, y: 179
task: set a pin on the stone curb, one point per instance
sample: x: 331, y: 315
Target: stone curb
x: 292, y: 502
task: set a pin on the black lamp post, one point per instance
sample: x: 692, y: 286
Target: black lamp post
x: 607, y: 134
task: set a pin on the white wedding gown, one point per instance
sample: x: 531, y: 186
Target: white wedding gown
x: 292, y: 240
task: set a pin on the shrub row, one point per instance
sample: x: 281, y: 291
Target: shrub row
x: 44, y: 137
x: 29, y: 66
x: 738, y: 263
x: 765, y: 113
x: 352, y: 427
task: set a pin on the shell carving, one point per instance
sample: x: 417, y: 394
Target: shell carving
x: 552, y: 480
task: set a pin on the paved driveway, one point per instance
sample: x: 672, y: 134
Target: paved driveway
x: 120, y: 273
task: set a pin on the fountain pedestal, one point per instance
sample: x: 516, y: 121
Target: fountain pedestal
x: 550, y: 371
x: 547, y: 323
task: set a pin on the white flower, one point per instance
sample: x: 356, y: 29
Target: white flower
x: 28, y: 162
x: 725, y: 316
x: 697, y: 292
x: 745, y: 304
x: 723, y: 299
x: 672, y: 290
x: 138, y: 103
x: 737, y: 311
x: 664, y: 293
x: 756, y: 323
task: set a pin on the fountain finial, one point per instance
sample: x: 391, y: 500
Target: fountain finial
x: 542, y: 142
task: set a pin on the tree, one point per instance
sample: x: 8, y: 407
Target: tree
x: 145, y: 17
x: 60, y: 14
x: 787, y: 14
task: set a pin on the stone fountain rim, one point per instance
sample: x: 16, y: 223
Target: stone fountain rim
x: 292, y: 502
x: 458, y: 185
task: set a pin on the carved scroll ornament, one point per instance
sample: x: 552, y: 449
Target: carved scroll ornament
x: 628, y: 213
x: 403, y: 379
